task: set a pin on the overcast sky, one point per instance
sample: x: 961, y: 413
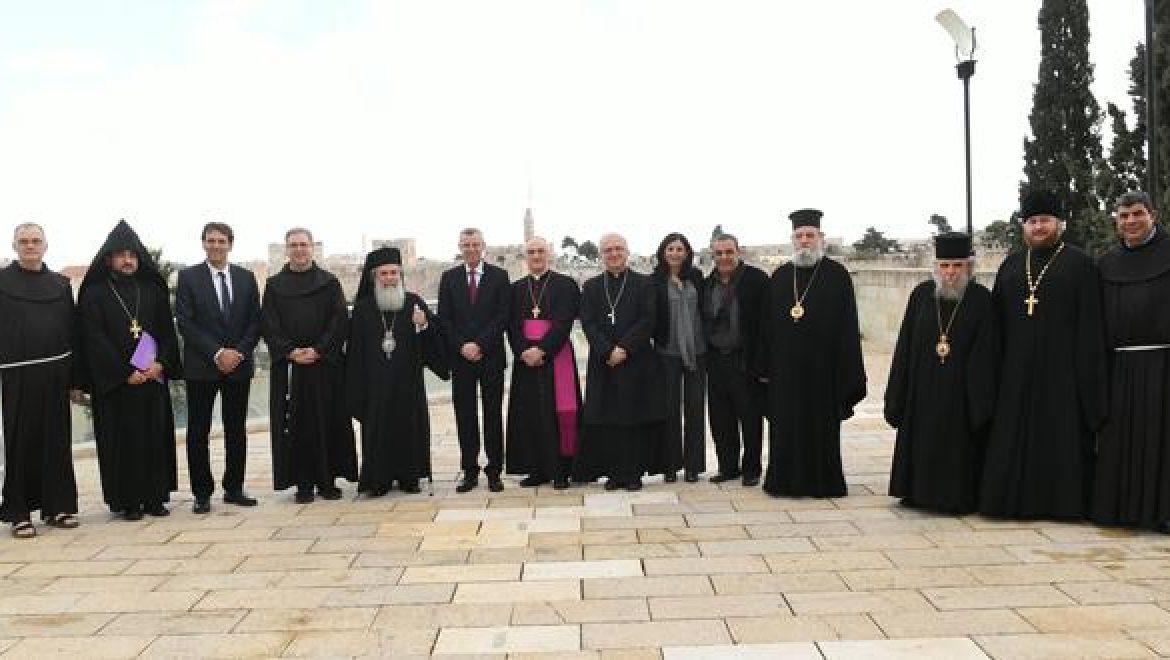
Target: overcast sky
x: 416, y: 118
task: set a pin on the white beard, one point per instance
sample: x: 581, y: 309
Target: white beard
x: 807, y: 257
x: 389, y: 298
x: 944, y: 292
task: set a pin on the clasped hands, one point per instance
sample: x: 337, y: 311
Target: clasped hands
x: 140, y: 376
x: 228, y: 360
x: 617, y: 356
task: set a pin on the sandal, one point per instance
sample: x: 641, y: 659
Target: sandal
x: 24, y: 530
x: 63, y: 521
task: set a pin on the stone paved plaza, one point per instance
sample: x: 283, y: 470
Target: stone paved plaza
x: 679, y: 571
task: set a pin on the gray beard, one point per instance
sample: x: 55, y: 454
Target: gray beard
x: 944, y: 292
x: 807, y: 257
x: 389, y: 298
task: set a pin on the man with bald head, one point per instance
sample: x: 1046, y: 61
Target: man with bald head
x: 37, y: 340
x: 545, y: 395
x: 623, y: 400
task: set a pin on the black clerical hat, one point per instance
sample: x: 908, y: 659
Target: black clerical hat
x: 1040, y: 202
x: 805, y: 218
x: 952, y: 245
x: 122, y: 237
x: 376, y: 258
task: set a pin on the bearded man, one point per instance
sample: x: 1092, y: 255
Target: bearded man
x: 392, y: 337
x: 941, y: 391
x: 810, y: 352
x: 1051, y: 401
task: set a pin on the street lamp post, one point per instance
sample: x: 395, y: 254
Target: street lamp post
x: 964, y: 38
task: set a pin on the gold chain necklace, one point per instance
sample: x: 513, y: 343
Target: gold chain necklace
x: 943, y: 347
x: 797, y: 311
x: 1031, y: 301
x: 135, y: 329
x: 538, y: 297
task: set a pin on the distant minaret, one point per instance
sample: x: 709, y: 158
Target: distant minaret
x: 529, y: 225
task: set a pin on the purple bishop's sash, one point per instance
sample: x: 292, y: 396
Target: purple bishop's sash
x: 564, y: 385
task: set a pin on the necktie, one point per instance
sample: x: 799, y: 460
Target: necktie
x: 225, y: 296
x: 472, y: 287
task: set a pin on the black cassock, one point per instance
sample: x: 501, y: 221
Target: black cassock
x: 39, y: 324
x: 312, y: 437
x: 623, y: 404
x: 533, y: 435
x: 1051, y: 395
x: 133, y: 425
x: 387, y: 395
x: 942, y: 408
x: 1133, y: 450
x: 815, y: 377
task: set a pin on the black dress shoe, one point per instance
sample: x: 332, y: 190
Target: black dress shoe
x: 133, y: 513
x: 303, y: 496
x: 495, y: 484
x: 751, y: 482
x: 239, y: 498
x: 612, y: 484
x: 691, y: 477
x: 202, y: 505
x: 670, y: 477
x: 410, y: 486
x: 1164, y: 527
x: 378, y: 492
x: 720, y: 478
x: 532, y: 480
x: 467, y: 484
x: 157, y: 510
x: 329, y: 492
x: 636, y: 484
x: 560, y: 484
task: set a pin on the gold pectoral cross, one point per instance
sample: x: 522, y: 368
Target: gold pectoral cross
x: 135, y: 329
x: 535, y: 312
x: 1031, y: 301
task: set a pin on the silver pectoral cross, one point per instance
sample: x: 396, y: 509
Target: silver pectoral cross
x: 612, y: 317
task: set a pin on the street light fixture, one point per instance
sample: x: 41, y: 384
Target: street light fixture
x: 964, y: 38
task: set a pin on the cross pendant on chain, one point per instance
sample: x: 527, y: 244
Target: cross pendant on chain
x: 612, y: 318
x: 1031, y: 301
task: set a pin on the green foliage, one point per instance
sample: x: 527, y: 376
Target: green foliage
x: 716, y: 232
x: 1001, y: 234
x: 588, y: 251
x: 569, y: 242
x: 1064, y: 151
x: 940, y: 222
x: 874, y: 243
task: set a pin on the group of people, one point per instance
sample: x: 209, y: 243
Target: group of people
x: 1046, y: 396
x: 1042, y: 398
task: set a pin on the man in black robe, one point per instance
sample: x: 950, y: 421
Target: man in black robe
x: 623, y: 400
x: 545, y: 396
x: 392, y: 337
x: 131, y: 352
x: 303, y: 317
x: 1051, y: 399
x: 941, y: 391
x: 1132, y: 485
x: 735, y: 395
x: 810, y: 352
x: 37, y: 340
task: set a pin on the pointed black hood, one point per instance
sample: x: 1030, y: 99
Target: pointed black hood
x: 123, y: 237
x: 379, y: 257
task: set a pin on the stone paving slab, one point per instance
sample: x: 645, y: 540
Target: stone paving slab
x: 673, y: 571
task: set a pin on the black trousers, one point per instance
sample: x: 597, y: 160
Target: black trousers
x: 464, y: 379
x: 736, y: 402
x: 234, y: 409
x: 685, y: 418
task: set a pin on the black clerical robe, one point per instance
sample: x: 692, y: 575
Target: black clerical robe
x: 620, y: 311
x: 815, y: 377
x: 942, y: 407
x: 534, y: 439
x: 1051, y: 398
x: 1132, y: 485
x: 312, y: 435
x: 133, y: 424
x: 387, y: 395
x: 37, y: 339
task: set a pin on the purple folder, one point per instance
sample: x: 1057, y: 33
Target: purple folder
x: 145, y: 354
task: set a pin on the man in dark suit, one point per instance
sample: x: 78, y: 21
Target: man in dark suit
x: 217, y: 306
x: 735, y: 395
x: 473, y: 309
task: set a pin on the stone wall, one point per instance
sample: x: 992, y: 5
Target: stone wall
x: 881, y: 298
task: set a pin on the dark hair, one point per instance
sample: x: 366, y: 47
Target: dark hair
x: 1131, y: 197
x: 724, y: 236
x: 661, y: 269
x: 221, y: 227
x: 298, y: 230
